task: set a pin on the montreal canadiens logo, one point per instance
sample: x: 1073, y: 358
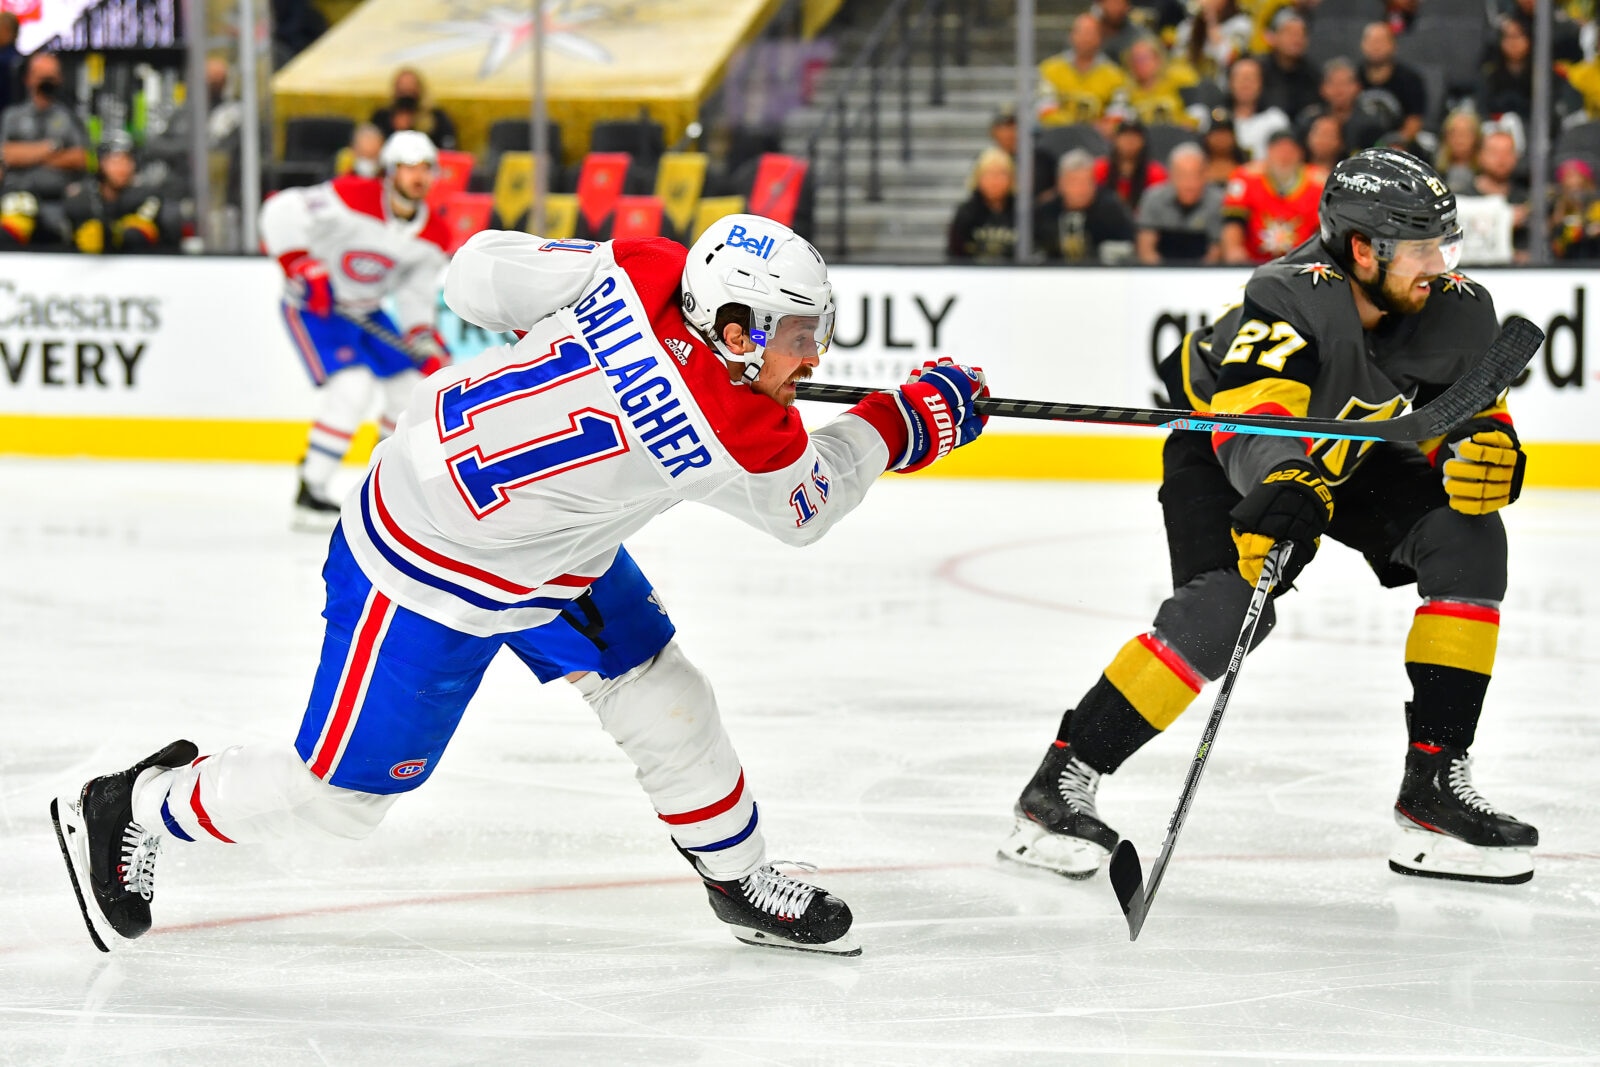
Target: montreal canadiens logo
x: 407, y: 769
x: 368, y: 267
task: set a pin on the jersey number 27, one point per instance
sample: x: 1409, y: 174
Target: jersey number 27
x: 485, y: 474
x: 1248, y: 343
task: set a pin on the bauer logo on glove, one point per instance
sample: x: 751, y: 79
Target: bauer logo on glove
x: 937, y: 404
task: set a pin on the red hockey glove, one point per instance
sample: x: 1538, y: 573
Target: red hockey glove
x: 937, y: 405
x: 427, y: 349
x: 309, y: 286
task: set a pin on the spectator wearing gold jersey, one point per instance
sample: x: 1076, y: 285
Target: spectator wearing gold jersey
x: 1077, y: 84
x: 1154, y: 89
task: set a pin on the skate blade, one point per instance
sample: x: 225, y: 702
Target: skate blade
x: 304, y: 520
x: 842, y: 946
x: 1033, y: 846
x: 1425, y: 854
x: 74, y: 841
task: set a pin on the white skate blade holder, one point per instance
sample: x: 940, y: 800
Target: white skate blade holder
x: 1426, y: 854
x: 74, y: 840
x: 1034, y: 846
x: 843, y: 946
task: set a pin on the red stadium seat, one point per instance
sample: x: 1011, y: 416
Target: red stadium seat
x: 775, y: 193
x: 637, y: 216
x: 600, y: 184
x: 466, y: 214
x: 455, y: 170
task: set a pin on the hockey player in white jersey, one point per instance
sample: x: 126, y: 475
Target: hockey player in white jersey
x: 345, y: 246
x: 495, y: 516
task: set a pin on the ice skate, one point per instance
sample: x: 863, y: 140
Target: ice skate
x: 110, y: 858
x: 1057, y: 826
x: 313, y: 513
x: 1448, y: 830
x: 767, y: 907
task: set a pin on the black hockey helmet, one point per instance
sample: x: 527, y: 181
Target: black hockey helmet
x: 1388, y: 197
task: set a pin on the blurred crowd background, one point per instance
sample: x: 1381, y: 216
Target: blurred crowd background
x: 886, y: 130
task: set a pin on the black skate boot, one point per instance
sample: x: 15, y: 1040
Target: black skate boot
x: 313, y: 513
x: 109, y: 854
x: 1448, y: 830
x: 1057, y: 826
x: 769, y: 908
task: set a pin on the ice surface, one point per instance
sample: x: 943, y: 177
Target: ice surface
x: 889, y: 690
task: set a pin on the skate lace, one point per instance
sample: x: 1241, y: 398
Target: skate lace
x: 1077, y: 784
x: 1461, y: 785
x: 138, y: 869
x: 776, y: 893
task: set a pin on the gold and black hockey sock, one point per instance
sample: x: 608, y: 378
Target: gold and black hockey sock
x: 1143, y: 690
x: 1449, y: 657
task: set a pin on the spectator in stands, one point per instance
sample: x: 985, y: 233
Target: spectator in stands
x: 1076, y: 85
x: 112, y: 212
x: 362, y: 155
x: 1566, y: 41
x: 1212, y: 38
x: 1460, y: 137
x: 1340, y: 88
x: 1120, y: 25
x: 1223, y: 154
x: 9, y: 56
x: 1180, y: 220
x: 984, y: 229
x: 1325, y: 142
x: 1153, y: 91
x: 1252, y: 123
x: 1381, y: 72
x: 1271, y: 204
x: 43, y: 142
x: 1497, y: 176
x: 1081, y: 222
x: 1129, y: 170
x: 1507, y: 81
x: 1575, y: 213
x: 410, y: 109
x: 1584, y: 78
x: 1289, y: 82
x: 1003, y: 132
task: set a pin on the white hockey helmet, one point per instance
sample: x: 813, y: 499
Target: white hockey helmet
x: 408, y: 146
x: 765, y: 266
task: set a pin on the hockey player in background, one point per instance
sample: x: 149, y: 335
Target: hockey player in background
x: 1354, y: 323
x: 345, y: 246
x: 495, y: 516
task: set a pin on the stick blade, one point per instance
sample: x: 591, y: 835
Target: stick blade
x: 1517, y: 344
x: 1127, y: 878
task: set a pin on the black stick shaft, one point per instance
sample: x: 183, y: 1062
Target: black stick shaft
x: 1471, y: 393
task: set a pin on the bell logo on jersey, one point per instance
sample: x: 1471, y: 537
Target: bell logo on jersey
x: 407, y: 769
x: 368, y: 268
x: 738, y: 237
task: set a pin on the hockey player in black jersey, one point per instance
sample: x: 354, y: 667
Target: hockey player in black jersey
x: 1355, y: 323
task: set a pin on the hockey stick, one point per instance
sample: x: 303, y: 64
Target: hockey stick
x: 1468, y: 395
x: 379, y: 331
x: 1126, y: 877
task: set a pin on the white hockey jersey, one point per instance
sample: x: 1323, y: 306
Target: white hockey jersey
x: 369, y: 253
x: 512, y: 478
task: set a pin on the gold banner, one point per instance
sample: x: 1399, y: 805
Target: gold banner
x: 605, y: 59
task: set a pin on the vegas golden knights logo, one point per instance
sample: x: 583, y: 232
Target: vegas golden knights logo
x: 1334, y: 456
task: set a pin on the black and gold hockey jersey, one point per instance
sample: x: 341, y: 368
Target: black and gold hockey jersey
x: 1295, y: 346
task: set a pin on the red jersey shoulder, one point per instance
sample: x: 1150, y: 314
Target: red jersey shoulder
x: 655, y: 267
x: 362, y: 195
x: 436, y: 231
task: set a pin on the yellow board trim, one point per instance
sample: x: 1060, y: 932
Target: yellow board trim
x: 1032, y: 457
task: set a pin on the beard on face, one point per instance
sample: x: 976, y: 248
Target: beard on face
x: 1404, y: 295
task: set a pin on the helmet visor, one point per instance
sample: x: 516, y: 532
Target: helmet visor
x: 1430, y: 255
x: 797, y: 336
